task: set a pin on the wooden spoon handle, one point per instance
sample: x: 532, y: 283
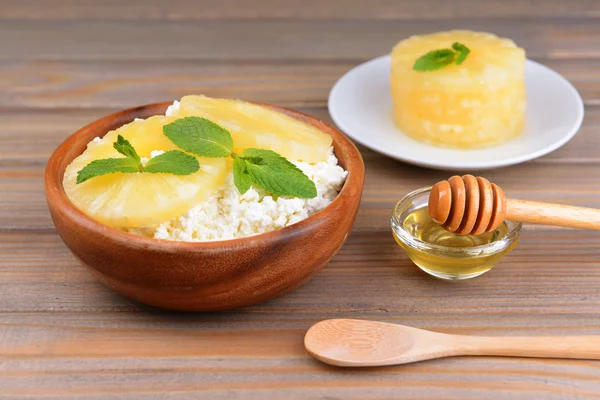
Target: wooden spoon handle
x: 552, y: 214
x: 579, y: 347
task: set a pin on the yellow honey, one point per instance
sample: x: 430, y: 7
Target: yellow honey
x: 444, y: 254
x: 478, y: 103
x: 422, y: 227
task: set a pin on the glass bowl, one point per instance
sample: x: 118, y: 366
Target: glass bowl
x: 449, y: 262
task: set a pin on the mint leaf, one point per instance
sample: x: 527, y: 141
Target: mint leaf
x: 106, y: 166
x: 463, y: 52
x: 241, y: 177
x: 200, y: 136
x: 437, y: 59
x: 123, y: 146
x: 434, y: 60
x: 173, y: 162
x: 276, y: 174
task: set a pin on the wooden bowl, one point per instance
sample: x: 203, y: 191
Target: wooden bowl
x: 209, y: 275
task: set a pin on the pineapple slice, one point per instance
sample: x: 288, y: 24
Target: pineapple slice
x: 255, y: 126
x: 479, y: 103
x: 142, y: 199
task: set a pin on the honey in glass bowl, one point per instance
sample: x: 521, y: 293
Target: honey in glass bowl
x: 441, y: 253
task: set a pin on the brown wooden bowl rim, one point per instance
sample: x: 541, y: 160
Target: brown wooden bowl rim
x: 55, y: 193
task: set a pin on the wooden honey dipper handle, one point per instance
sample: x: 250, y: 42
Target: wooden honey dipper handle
x: 537, y: 212
x: 471, y: 206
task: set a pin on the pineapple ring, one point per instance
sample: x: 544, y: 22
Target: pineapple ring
x: 126, y: 200
x: 252, y: 125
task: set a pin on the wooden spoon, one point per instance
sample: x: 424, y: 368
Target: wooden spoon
x: 359, y: 343
x: 471, y: 206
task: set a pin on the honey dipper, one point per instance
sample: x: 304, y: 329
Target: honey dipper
x: 471, y: 206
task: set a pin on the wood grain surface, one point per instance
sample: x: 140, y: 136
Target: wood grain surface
x: 63, y: 335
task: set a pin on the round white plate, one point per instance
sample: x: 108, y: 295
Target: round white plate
x: 360, y: 103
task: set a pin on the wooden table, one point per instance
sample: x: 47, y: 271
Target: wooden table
x: 65, y: 63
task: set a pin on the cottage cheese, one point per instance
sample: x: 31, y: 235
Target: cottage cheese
x: 153, y: 154
x: 228, y: 214
x: 173, y: 108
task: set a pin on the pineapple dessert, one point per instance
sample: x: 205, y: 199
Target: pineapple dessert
x: 459, y: 89
x: 210, y: 169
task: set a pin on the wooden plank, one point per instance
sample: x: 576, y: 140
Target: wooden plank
x: 126, y: 84
x: 370, y: 275
x: 292, y: 376
x: 66, y: 335
x: 109, y: 84
x: 241, y: 372
x: 202, y: 10
x: 23, y: 205
x: 273, y: 40
x: 29, y: 136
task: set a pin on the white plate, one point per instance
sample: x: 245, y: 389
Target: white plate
x: 361, y: 105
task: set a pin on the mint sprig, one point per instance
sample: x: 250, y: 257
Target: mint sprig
x: 263, y: 168
x: 173, y: 162
x: 441, y: 58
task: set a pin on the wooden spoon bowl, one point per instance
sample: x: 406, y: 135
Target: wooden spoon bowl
x: 202, y: 276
